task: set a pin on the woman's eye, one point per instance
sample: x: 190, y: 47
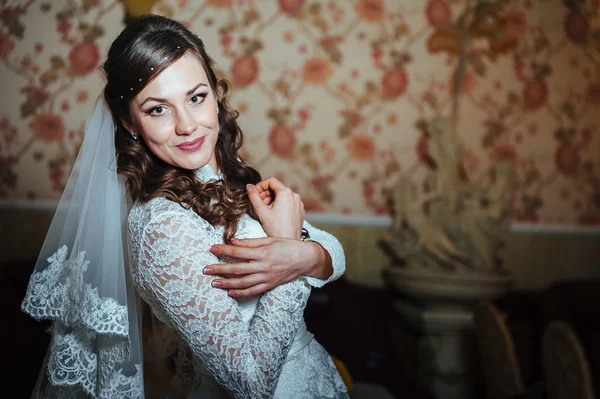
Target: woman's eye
x: 197, y: 98
x: 156, y: 110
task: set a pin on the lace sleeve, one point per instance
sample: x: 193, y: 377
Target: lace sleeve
x: 335, y: 249
x: 245, y: 359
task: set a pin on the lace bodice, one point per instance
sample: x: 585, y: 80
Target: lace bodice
x: 243, y: 344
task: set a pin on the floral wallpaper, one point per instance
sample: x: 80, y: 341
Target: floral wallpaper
x: 333, y: 94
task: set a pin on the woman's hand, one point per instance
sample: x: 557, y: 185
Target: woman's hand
x: 279, y: 209
x: 264, y: 263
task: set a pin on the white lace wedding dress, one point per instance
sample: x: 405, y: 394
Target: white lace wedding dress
x: 255, y: 347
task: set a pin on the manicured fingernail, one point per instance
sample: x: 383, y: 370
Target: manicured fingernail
x: 213, y: 249
x: 216, y: 283
x: 232, y: 293
x: 235, y: 239
x: 249, y: 187
x: 208, y: 270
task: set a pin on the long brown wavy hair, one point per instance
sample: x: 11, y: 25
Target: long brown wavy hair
x: 142, y: 51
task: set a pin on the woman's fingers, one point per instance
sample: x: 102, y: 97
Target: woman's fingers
x: 270, y: 183
x: 255, y: 198
x: 273, y: 261
x: 267, y: 197
x: 256, y: 290
x: 252, y: 242
x: 240, y: 283
x: 229, y: 269
x: 244, y: 250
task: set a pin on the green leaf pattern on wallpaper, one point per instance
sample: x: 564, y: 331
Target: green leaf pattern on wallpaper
x: 333, y: 95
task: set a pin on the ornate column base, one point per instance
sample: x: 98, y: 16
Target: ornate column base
x: 445, y: 354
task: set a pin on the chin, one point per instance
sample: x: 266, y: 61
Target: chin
x: 194, y: 162
x: 190, y: 165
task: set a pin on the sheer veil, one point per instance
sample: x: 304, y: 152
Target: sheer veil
x: 81, y: 280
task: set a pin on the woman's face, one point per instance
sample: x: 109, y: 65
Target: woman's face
x: 176, y: 115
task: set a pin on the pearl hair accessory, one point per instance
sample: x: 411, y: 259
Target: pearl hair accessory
x: 140, y: 79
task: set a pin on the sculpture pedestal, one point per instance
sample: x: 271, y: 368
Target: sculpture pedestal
x: 445, y: 353
x: 436, y: 311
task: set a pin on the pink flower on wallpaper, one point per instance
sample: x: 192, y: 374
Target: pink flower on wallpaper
x: 516, y: 23
x: 47, y: 127
x: 312, y: 204
x: 501, y: 152
x: 535, y: 93
x: 282, y: 141
x: 6, y: 45
x: 577, y: 28
x: 567, y: 159
x: 64, y: 26
x: 320, y: 181
x: 56, y: 177
x: 84, y: 58
x: 226, y: 40
x: 293, y: 8
x: 438, y: 13
x: 361, y: 148
x: 376, y: 54
x: 244, y: 70
x: 316, y: 71
x: 592, y: 95
x: 25, y: 62
x: 303, y: 115
x: 394, y: 82
x: 370, y: 10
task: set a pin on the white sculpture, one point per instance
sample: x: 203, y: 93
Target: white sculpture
x: 459, y: 227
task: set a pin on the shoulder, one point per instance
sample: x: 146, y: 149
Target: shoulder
x: 161, y: 211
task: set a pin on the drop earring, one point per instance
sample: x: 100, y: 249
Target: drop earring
x: 134, y: 136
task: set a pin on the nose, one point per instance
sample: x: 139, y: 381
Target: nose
x: 186, y: 124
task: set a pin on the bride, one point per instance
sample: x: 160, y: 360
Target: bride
x: 170, y: 268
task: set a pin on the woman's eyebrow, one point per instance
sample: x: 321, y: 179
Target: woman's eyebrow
x: 190, y: 92
x: 160, y: 100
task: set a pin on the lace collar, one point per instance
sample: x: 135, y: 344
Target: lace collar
x: 206, y: 173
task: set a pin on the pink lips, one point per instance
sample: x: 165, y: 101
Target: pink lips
x: 192, y: 145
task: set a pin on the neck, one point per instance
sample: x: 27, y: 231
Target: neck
x: 213, y: 164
